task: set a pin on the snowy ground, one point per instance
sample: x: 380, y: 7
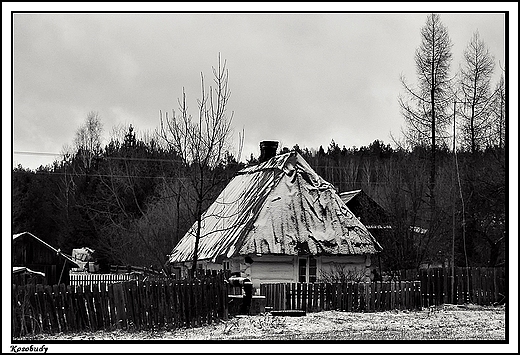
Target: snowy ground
x: 448, y: 322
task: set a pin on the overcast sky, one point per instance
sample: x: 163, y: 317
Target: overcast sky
x: 303, y: 78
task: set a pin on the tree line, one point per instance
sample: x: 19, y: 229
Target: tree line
x: 133, y: 199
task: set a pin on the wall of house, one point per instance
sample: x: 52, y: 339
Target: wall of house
x: 354, y: 267
x: 284, y: 268
x: 273, y: 268
x: 182, y: 270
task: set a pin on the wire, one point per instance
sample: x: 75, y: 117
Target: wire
x: 105, y: 158
x: 35, y: 153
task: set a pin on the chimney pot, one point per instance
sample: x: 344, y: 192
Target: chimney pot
x: 267, y: 150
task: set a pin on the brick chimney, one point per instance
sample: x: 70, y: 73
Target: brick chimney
x: 267, y: 150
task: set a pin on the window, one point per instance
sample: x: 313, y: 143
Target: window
x: 307, y: 268
x: 226, y: 265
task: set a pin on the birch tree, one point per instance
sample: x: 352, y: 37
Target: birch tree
x: 87, y: 141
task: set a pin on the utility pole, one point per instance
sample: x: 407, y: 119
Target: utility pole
x: 453, y: 231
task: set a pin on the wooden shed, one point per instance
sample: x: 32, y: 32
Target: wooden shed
x: 25, y: 276
x: 31, y: 252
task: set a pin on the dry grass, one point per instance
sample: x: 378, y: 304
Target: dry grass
x: 448, y: 322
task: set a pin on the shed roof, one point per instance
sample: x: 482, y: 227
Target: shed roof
x: 349, y: 195
x: 57, y: 251
x: 23, y: 269
x: 282, y: 207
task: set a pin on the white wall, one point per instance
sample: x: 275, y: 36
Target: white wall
x: 354, y: 265
x: 284, y: 268
x: 271, y: 269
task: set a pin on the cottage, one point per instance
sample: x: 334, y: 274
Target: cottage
x: 32, y: 253
x: 279, y: 221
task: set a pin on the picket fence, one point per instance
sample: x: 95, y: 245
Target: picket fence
x: 350, y: 297
x: 476, y: 285
x: 77, y: 279
x: 124, y: 305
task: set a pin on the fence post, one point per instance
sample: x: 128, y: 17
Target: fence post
x: 370, y: 293
x: 226, y: 302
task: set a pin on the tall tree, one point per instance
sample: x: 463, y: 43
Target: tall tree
x: 475, y: 86
x: 88, y: 140
x: 426, y: 116
x: 498, y: 114
x: 201, y: 142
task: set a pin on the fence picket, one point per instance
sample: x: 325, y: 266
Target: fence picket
x: 168, y: 305
x: 58, y: 308
x: 174, y: 301
x: 287, y: 296
x: 119, y: 302
x: 103, y: 305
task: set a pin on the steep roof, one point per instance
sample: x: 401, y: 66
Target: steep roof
x: 279, y: 207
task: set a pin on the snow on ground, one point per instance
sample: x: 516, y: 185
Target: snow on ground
x: 447, y: 322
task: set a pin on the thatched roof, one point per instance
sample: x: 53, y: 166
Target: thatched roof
x: 279, y: 207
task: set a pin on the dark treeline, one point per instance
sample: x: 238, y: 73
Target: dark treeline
x: 131, y: 201
x: 470, y: 210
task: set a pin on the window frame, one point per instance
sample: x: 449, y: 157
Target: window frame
x: 307, y: 261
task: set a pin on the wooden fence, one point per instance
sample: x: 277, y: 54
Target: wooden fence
x: 124, y: 305
x: 352, y: 296
x: 477, y: 285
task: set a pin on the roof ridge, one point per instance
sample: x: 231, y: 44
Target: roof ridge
x: 275, y: 163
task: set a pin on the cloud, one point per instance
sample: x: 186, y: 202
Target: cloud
x: 298, y: 78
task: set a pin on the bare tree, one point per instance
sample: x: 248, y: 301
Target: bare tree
x: 426, y: 113
x: 475, y: 86
x: 498, y: 115
x: 132, y: 215
x: 201, y: 142
x: 87, y: 141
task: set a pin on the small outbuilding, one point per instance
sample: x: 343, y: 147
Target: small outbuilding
x: 25, y: 276
x: 279, y: 221
x: 34, y: 254
x: 368, y: 211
